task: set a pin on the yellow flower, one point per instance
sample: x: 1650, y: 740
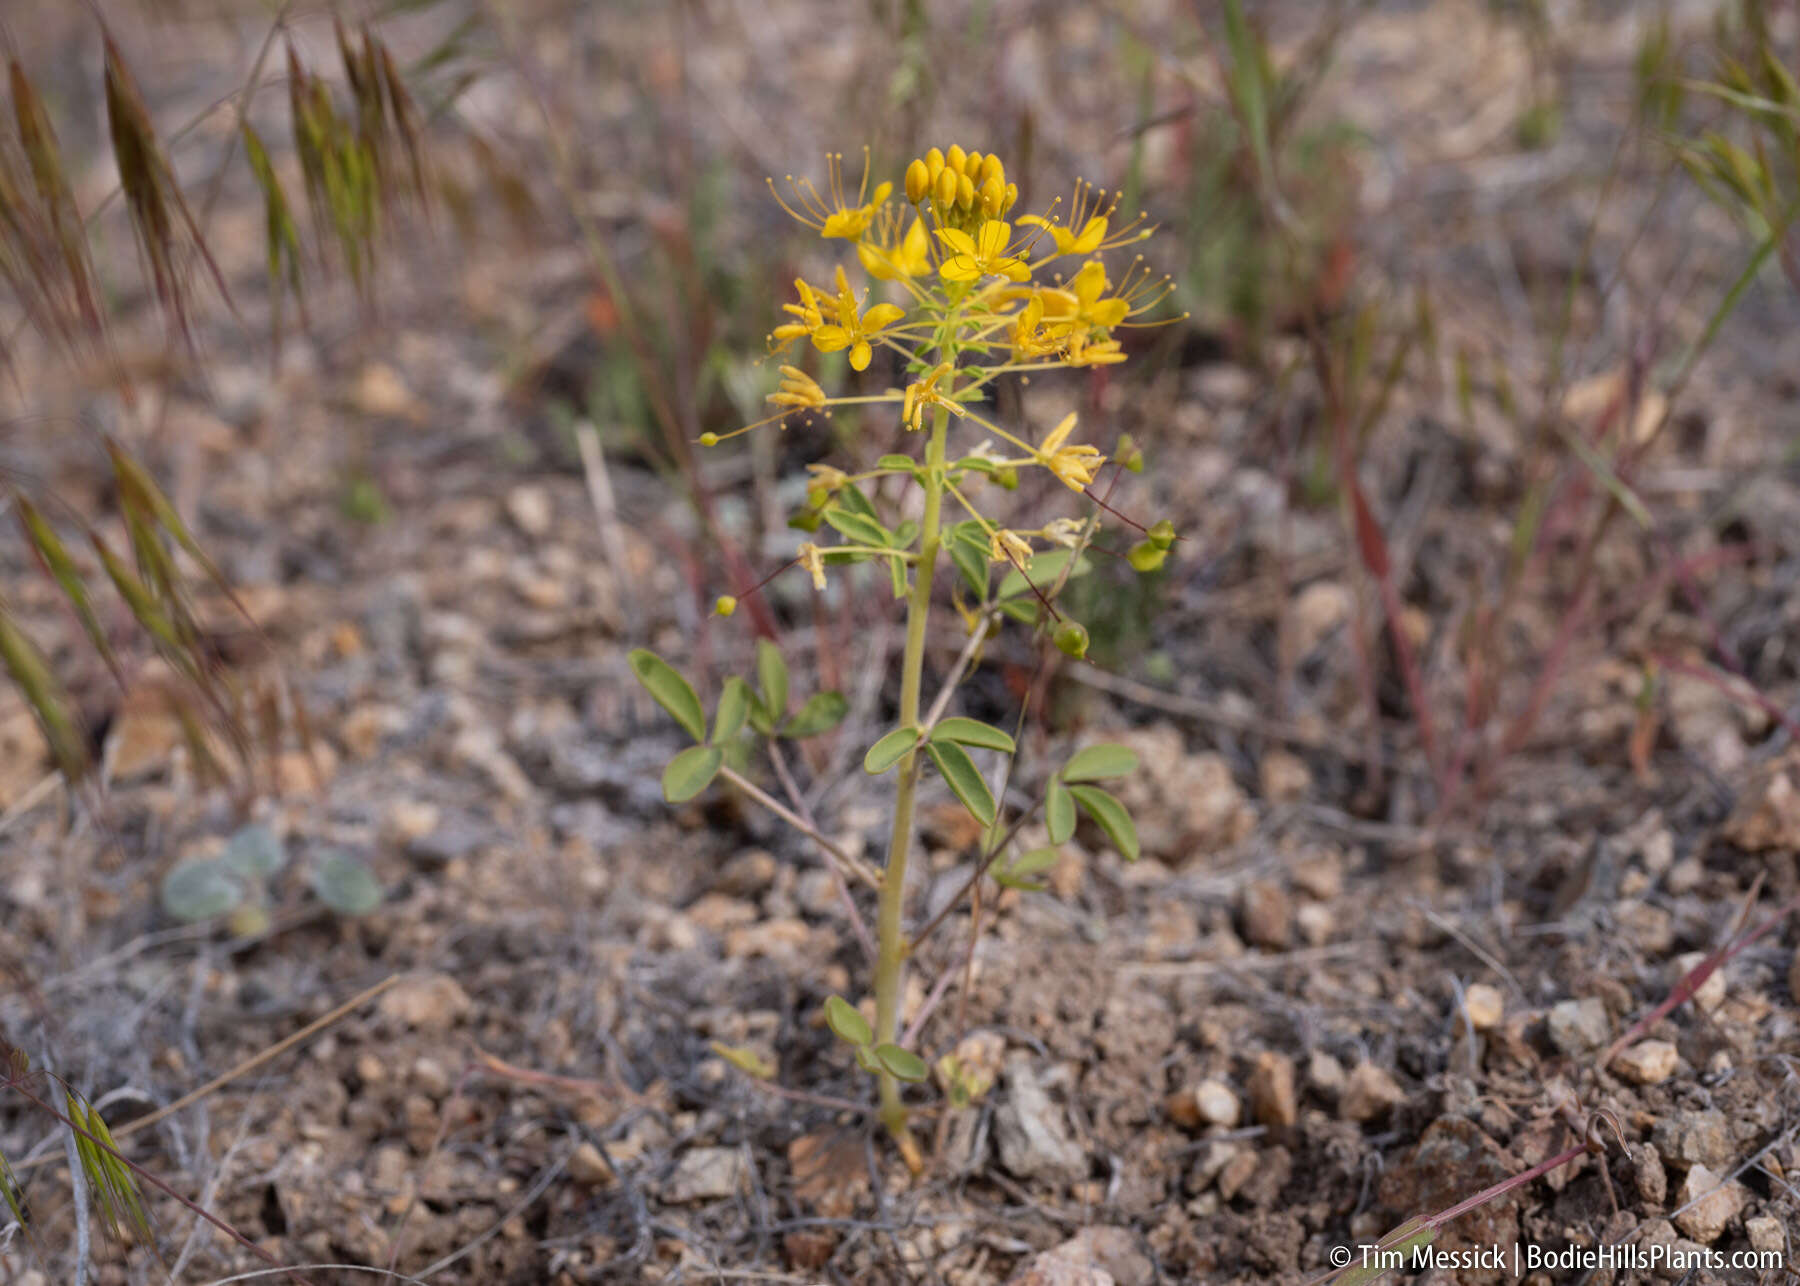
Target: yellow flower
x: 886, y: 256
x: 925, y: 393
x: 1006, y: 546
x: 831, y: 213
x: 1075, y: 465
x: 1090, y: 211
x: 854, y: 329
x: 798, y: 389
x: 813, y: 559
x: 983, y: 255
x: 1085, y: 242
x: 1086, y: 290
x: 1030, y: 336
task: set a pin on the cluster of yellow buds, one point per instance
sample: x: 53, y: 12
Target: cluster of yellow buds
x: 964, y: 189
x: 971, y: 296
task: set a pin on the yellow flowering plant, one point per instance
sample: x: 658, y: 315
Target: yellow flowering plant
x: 974, y: 296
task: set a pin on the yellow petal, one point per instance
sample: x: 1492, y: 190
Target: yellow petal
x: 875, y: 261
x: 829, y: 339
x: 1108, y: 312
x: 959, y: 241
x: 860, y: 355
x: 1092, y: 234
x: 961, y: 268
x: 995, y: 233
x: 881, y: 316
x: 1089, y: 282
x: 1059, y: 434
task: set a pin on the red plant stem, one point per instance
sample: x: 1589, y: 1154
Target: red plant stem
x: 1675, y: 665
x: 1486, y: 1195
x: 1696, y: 978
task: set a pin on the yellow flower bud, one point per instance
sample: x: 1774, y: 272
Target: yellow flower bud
x: 993, y: 168
x: 943, y: 192
x: 1012, y: 196
x: 955, y: 157
x: 934, y: 164
x: 725, y: 606
x: 992, y: 194
x: 971, y: 166
x: 918, y: 181
x: 965, y: 192
x: 709, y: 439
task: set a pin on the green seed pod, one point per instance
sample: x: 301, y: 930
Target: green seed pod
x: 1072, y: 639
x: 1163, y: 534
x: 1146, y: 556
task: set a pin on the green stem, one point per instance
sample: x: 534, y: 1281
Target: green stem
x: 891, y: 945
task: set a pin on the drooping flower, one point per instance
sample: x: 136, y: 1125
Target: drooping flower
x: 1064, y: 531
x: 831, y: 213
x: 813, y: 559
x: 983, y: 255
x: 854, y: 329
x: 924, y: 393
x: 1082, y: 351
x: 797, y: 390
x: 1075, y: 465
x: 810, y: 312
x: 1007, y: 546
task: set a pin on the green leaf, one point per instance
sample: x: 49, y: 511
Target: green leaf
x: 746, y: 1060
x: 772, y: 678
x: 865, y: 1058
x: 200, y: 890
x: 1059, y: 812
x: 1097, y: 763
x: 965, y: 780
x: 858, y: 528
x: 345, y: 884
x: 901, y: 1064
x: 734, y: 708
x: 672, y: 692
x: 850, y: 496
x: 1110, y: 815
x: 971, y: 732
x: 691, y: 772
x: 254, y: 851
x: 971, y: 560
x: 846, y: 1020
x: 1038, y: 859
x: 887, y: 752
x: 1018, y: 875
x: 822, y: 712
x: 1043, y: 571
x: 904, y: 463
